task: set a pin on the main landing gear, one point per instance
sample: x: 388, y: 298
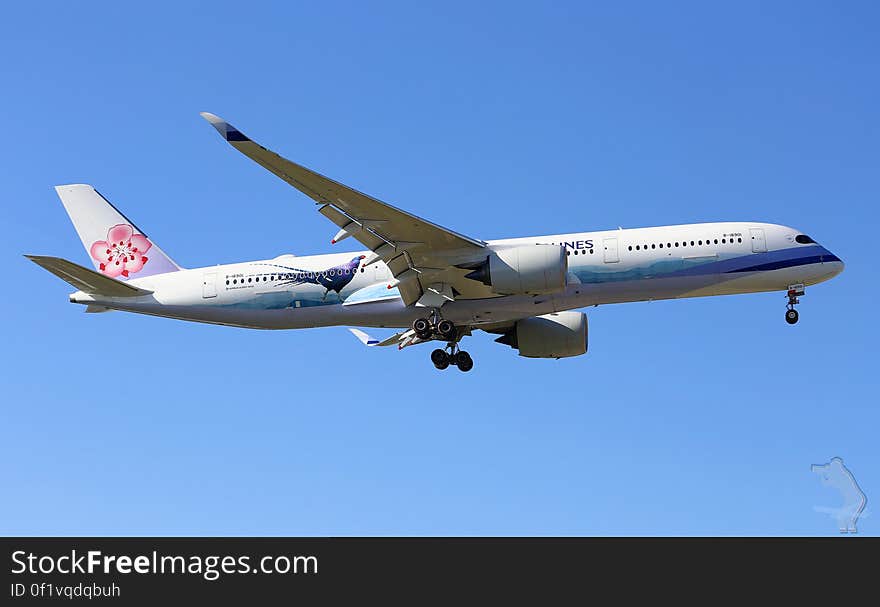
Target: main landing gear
x: 445, y: 330
x: 794, y: 292
x: 452, y: 356
x: 426, y: 328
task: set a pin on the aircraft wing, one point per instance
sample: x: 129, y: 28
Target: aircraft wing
x: 421, y: 255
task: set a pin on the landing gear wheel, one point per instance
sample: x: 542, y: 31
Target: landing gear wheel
x: 446, y: 329
x: 422, y: 327
x: 440, y: 358
x: 794, y: 292
x: 463, y: 361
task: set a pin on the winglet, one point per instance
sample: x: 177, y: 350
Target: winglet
x: 364, y: 338
x: 395, y: 339
x: 226, y: 130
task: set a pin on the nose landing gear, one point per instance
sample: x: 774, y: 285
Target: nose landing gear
x: 794, y: 292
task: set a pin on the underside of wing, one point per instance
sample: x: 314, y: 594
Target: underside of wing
x: 421, y: 255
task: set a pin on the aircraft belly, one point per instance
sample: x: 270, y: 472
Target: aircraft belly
x: 381, y: 314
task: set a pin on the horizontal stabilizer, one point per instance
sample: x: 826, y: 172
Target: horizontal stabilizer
x: 86, y: 280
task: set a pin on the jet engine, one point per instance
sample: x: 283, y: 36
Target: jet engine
x: 529, y: 269
x: 557, y: 335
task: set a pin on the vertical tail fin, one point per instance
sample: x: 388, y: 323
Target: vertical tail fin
x: 116, y: 246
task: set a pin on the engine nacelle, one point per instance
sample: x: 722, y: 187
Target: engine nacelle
x: 529, y: 269
x: 557, y: 335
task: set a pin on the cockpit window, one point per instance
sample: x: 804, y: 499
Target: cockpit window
x: 804, y: 239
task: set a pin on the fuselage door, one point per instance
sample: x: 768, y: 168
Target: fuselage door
x: 610, y: 250
x: 759, y: 243
x: 380, y: 272
x: 209, y: 285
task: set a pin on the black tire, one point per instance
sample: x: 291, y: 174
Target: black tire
x: 440, y: 359
x: 463, y: 361
x: 422, y: 327
x: 446, y: 329
x: 791, y: 316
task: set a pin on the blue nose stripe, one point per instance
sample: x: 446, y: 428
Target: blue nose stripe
x: 810, y: 255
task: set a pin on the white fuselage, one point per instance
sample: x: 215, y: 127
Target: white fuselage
x: 612, y: 266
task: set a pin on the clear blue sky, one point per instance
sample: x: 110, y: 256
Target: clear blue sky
x: 496, y: 120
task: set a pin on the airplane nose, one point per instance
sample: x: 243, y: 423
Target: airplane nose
x: 838, y: 266
x: 833, y: 262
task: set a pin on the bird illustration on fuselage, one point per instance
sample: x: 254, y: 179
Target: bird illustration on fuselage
x: 332, y: 279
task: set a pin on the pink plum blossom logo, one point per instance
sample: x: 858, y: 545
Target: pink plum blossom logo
x: 122, y: 253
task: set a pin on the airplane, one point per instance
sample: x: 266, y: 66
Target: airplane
x: 430, y: 282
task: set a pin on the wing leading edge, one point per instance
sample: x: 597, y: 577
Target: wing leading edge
x: 421, y: 255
